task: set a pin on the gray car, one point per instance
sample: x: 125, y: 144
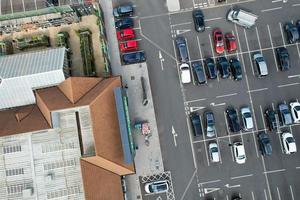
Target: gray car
x: 261, y: 64
x: 247, y: 119
x: 210, y: 124
x: 285, y: 114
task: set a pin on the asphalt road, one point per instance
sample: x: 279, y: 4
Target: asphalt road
x: 194, y: 176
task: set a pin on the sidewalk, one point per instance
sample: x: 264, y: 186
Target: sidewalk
x: 148, y: 159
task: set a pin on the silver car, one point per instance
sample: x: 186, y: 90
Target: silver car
x: 260, y: 64
x: 157, y: 187
x: 247, y: 119
x: 214, y: 152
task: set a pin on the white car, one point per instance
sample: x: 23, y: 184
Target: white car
x: 239, y: 153
x: 157, y: 187
x: 185, y: 73
x: 289, y: 143
x: 214, y: 152
x: 247, y: 118
x: 295, y: 110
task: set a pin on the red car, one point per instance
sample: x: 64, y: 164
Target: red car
x: 126, y: 34
x: 230, y: 42
x: 218, y: 41
x: 128, y: 46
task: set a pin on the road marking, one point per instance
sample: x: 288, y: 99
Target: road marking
x: 208, y: 182
x: 287, y: 85
x: 185, y: 23
x: 193, y: 109
x: 294, y: 76
x: 258, y: 39
x: 292, y: 193
x: 266, y: 196
x: 188, y: 185
x: 191, y: 101
x: 215, y: 105
x: 243, y: 176
x: 205, y: 146
x: 278, y: 193
x: 266, y: 177
x: 297, y: 167
x: 271, y: 9
x: 258, y: 90
x: 262, y: 116
x: 254, y: 139
x: 11, y: 7
x: 228, y: 133
x: 161, y: 60
x: 297, y: 45
x: 219, y: 147
x: 232, y: 186
x: 282, y: 36
x: 212, y: 51
x: 201, y: 55
x: 191, y: 142
x: 274, y: 171
x: 178, y: 32
x: 210, y: 190
x: 212, y: 19
x: 296, y: 4
x: 252, y: 194
x: 275, y: 1
x: 23, y: 4
x: 272, y: 45
x: 174, y: 136
x: 247, y: 44
x: 226, y: 95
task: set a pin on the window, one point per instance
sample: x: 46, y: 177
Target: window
x: 12, y: 149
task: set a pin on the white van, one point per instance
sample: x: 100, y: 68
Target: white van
x: 241, y: 17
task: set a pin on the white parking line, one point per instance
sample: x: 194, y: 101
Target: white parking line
x: 219, y: 149
x: 243, y: 176
x: 195, y: 100
x: 266, y: 196
x: 272, y: 45
x: 11, y: 7
x: 297, y: 167
x: 275, y: 1
x: 287, y: 85
x: 208, y: 182
x: 191, y: 142
x: 205, y: 146
x: 292, y: 193
x: 296, y: 4
x: 266, y: 177
x: 271, y: 9
x: 213, y: 52
x: 201, y: 55
x: 258, y: 39
x: 274, y: 171
x: 228, y: 132
x: 263, y: 117
x: 258, y: 90
x: 294, y: 76
x: 252, y: 194
x: 297, y: 46
x: 23, y: 5
x: 212, y: 19
x: 282, y: 36
x: 250, y: 58
x: 226, y: 95
x: 278, y: 193
x: 35, y: 4
x: 185, y: 23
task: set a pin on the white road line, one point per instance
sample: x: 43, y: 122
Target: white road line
x: 297, y: 167
x: 252, y: 194
x: 219, y: 148
x: 274, y: 171
x: 263, y: 117
x: 205, y: 146
x: 292, y: 193
x: 275, y: 1
x: 219, y: 104
x: 254, y: 139
x: 297, y: 46
x: 212, y: 19
x: 195, y: 100
x: 266, y: 196
x: 282, y: 36
x: 191, y: 142
x: 278, y: 193
x: 201, y: 55
x: 226, y: 95
x: 227, y: 198
x: 35, y: 4
x: 185, y: 23
x: 294, y: 76
x: 228, y: 132
x: 243, y: 176
x: 23, y: 5
x: 258, y: 90
x: 271, y: 9
x: 250, y: 58
x: 189, y: 184
x: 188, y: 50
x: 272, y: 45
x: 258, y: 39
x: 208, y: 182
x: 287, y: 85
x: 296, y: 4
x: 11, y: 7
x: 266, y: 177
x: 211, y: 46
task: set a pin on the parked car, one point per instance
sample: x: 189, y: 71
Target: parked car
x: 182, y: 51
x: 283, y: 58
x: 134, y: 57
x: 157, y: 187
x: 291, y: 31
x: 298, y: 26
x: 230, y: 41
x: 218, y: 41
x: 236, y: 69
x: 295, y: 110
x: 198, y: 18
x: 123, y: 11
x: 196, y: 124
x: 223, y: 66
x: 289, y: 143
x: 210, y: 68
x: 214, y: 152
x: 124, y: 23
x: 285, y: 115
x: 199, y: 72
x: 125, y: 34
x: 131, y: 45
x: 239, y: 153
x: 232, y: 118
x: 236, y: 197
x: 242, y: 17
x: 272, y: 119
x: 261, y: 64
x: 185, y: 73
x: 246, y: 118
x: 210, y: 124
x: 264, y: 143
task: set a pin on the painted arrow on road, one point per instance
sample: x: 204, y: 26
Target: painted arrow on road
x: 232, y: 186
x: 178, y: 32
x: 174, y: 136
x: 210, y: 190
x: 161, y: 60
x: 193, y: 109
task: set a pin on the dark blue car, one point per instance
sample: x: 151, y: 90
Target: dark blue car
x: 211, y: 68
x: 123, y: 11
x: 124, y: 23
x: 134, y: 57
x: 199, y: 72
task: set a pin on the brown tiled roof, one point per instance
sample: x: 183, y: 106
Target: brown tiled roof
x: 21, y: 120
x: 99, y: 183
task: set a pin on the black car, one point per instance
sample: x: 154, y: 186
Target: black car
x: 232, y: 118
x: 133, y: 57
x: 291, y: 31
x: 236, y: 69
x: 223, y: 67
x: 285, y: 115
x: 298, y: 25
x: 199, y: 20
x: 272, y: 119
x: 264, y: 143
x: 124, y: 23
x: 50, y: 3
x: 283, y: 58
x: 199, y: 72
x: 195, y: 119
x: 210, y: 124
x: 210, y: 68
x: 182, y: 51
x: 123, y: 11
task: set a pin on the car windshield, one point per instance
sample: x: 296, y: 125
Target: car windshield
x: 161, y: 187
x: 290, y: 140
x: 260, y: 59
x: 196, y: 120
x: 214, y: 150
x: 247, y: 115
x: 219, y: 38
x: 297, y: 108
